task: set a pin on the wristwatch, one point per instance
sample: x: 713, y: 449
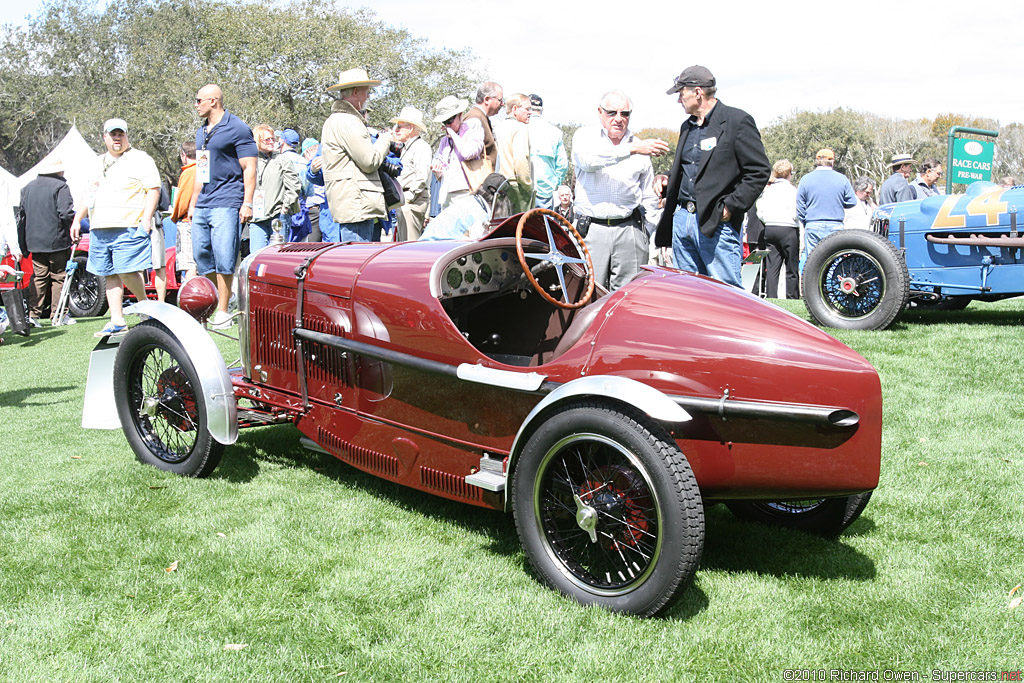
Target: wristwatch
x: 249, y: 204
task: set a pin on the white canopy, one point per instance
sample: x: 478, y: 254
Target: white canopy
x: 80, y: 165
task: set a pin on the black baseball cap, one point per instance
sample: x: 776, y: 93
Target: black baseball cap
x: 536, y: 101
x: 692, y: 77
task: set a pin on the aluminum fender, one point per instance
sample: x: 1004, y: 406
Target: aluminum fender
x: 221, y: 409
x: 622, y: 389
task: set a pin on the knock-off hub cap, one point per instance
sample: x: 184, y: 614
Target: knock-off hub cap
x: 848, y: 285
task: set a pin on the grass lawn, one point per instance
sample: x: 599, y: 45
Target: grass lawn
x: 324, y: 573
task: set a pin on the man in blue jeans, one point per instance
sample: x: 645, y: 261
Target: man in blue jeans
x: 822, y: 198
x: 719, y: 171
x: 226, y: 173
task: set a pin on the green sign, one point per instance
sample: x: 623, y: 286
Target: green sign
x: 971, y: 161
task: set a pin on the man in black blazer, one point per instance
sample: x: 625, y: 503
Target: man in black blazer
x: 719, y: 171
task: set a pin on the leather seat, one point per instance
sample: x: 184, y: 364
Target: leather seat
x: 580, y: 323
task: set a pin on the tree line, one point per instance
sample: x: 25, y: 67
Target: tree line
x: 144, y: 60
x: 865, y: 143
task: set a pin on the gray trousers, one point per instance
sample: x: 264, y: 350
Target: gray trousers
x: 617, y: 251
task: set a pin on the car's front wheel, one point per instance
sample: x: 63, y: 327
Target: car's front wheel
x: 823, y: 516
x: 87, y: 297
x: 161, y: 404
x: 608, y: 509
x: 855, y: 280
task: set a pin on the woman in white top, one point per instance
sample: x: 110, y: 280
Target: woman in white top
x: 777, y: 210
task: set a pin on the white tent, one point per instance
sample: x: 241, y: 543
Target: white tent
x: 9, y: 188
x: 81, y: 164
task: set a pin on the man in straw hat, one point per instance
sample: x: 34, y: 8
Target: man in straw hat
x: 354, y: 191
x: 458, y: 162
x: 415, y: 177
x: 902, y: 165
x: 45, y: 216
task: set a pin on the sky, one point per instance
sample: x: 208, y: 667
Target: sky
x: 894, y: 59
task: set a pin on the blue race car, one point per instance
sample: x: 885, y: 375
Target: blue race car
x: 941, y: 252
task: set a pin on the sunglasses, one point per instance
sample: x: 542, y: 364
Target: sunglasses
x: 611, y: 113
x: 449, y: 121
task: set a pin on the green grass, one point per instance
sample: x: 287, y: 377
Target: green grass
x: 325, y: 573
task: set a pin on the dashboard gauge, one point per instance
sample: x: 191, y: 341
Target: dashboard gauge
x: 461, y: 260
x: 484, y: 273
x: 470, y: 277
x: 478, y: 257
x: 454, y: 278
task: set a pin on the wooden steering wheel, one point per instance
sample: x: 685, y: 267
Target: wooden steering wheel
x: 556, y: 258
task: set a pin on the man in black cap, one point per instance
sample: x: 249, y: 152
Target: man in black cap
x: 719, y: 171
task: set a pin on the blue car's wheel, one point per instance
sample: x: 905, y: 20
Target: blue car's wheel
x: 855, y: 280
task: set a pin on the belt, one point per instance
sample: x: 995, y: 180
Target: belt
x: 615, y: 221
x: 687, y: 205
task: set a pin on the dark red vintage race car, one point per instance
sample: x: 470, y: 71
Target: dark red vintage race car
x: 493, y: 373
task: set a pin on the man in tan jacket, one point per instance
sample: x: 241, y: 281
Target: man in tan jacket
x: 350, y: 160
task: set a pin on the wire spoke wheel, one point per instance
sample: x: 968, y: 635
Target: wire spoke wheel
x: 87, y: 296
x: 607, y: 508
x: 165, y: 404
x: 598, y: 513
x: 161, y: 404
x: 855, y: 280
x: 853, y: 284
x: 823, y: 516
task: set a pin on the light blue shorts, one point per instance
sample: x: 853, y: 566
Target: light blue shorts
x: 216, y: 239
x: 113, y: 251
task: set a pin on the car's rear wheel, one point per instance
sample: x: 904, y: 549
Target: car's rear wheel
x: 88, y: 297
x: 607, y: 508
x: 824, y: 516
x: 161, y: 404
x: 855, y: 280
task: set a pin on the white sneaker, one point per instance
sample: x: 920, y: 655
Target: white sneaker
x: 222, y: 320
x: 34, y: 322
x: 67, y: 320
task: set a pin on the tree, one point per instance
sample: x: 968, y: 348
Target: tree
x: 144, y: 60
x: 662, y: 164
x: 798, y: 136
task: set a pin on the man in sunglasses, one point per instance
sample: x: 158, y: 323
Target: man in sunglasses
x: 926, y: 182
x: 614, y: 190
x: 719, y: 171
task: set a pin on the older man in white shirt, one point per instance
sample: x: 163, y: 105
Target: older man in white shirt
x: 614, y: 179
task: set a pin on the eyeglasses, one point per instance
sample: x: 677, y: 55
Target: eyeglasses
x: 200, y: 99
x: 449, y: 121
x: 611, y: 113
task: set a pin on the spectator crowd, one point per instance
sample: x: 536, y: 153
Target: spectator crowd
x: 243, y: 187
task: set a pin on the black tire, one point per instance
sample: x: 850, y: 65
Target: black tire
x: 825, y: 516
x: 591, y: 463
x: 88, y: 297
x: 855, y: 280
x: 161, y: 405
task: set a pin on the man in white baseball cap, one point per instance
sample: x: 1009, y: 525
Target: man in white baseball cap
x: 126, y: 191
